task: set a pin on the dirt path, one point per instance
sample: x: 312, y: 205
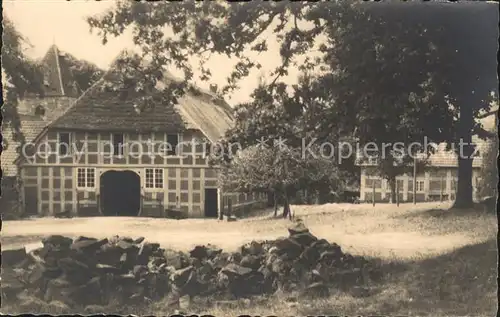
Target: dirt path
x: 383, y: 231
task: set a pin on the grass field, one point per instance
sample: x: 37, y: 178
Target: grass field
x: 437, y: 261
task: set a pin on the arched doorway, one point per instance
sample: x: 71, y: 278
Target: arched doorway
x: 120, y: 193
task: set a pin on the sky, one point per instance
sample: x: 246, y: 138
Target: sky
x: 47, y: 22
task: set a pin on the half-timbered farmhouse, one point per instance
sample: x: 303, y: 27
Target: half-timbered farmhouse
x: 105, y: 157
x: 437, y: 181
x: 35, y: 113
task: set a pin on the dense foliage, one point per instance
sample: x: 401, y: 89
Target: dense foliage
x: 20, y: 76
x: 423, y: 69
x: 488, y: 186
x: 84, y: 73
x: 281, y: 170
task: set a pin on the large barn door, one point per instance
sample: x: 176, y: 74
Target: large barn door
x: 211, y: 208
x: 30, y: 200
x: 120, y: 193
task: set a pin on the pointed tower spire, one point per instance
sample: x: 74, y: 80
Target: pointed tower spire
x: 56, y: 54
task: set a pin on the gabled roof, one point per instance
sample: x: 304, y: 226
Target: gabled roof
x: 450, y: 159
x: 204, y: 114
x: 31, y: 126
x: 103, y: 109
x: 58, y: 78
x: 442, y: 157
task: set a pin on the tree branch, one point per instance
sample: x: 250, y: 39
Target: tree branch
x: 485, y: 134
x: 487, y: 114
x: 286, y: 62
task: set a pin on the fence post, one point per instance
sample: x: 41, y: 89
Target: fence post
x: 441, y: 183
x: 98, y: 203
x: 222, y: 205
x: 229, y: 207
x: 397, y: 193
x: 415, y: 180
x: 77, y: 204
x: 373, y: 195
x: 159, y: 199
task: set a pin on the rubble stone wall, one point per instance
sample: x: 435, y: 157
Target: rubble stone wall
x: 85, y: 273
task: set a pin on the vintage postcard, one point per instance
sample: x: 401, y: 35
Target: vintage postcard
x: 253, y: 158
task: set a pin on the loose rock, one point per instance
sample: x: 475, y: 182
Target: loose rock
x: 14, y: 256
x: 316, y: 290
x: 298, y: 228
x: 90, y: 273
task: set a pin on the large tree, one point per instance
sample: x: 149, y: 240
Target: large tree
x: 395, y: 72
x: 488, y: 185
x: 289, y: 119
x: 280, y: 170
x: 402, y: 84
x: 85, y: 73
x: 276, y: 114
x: 20, y: 76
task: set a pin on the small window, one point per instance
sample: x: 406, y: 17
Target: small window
x: 64, y: 144
x: 370, y: 182
x: 420, y: 186
x: 154, y: 178
x: 173, y: 142
x: 118, y: 144
x: 4, y: 145
x: 158, y: 178
x: 373, y: 160
x: 208, y: 148
x: 85, y: 178
x: 400, y: 184
x: 39, y: 111
x: 90, y: 177
x: 149, y: 178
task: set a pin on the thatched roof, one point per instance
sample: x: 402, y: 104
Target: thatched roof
x: 104, y: 109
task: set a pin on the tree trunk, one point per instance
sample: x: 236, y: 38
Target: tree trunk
x: 229, y: 208
x: 464, y: 151
x: 275, y: 204
x: 221, y: 212
x: 463, y: 197
x: 489, y: 171
x: 286, y: 207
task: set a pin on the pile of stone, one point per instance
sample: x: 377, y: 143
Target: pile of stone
x: 121, y: 270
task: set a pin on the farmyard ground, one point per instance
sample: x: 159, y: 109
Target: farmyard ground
x: 437, y: 261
